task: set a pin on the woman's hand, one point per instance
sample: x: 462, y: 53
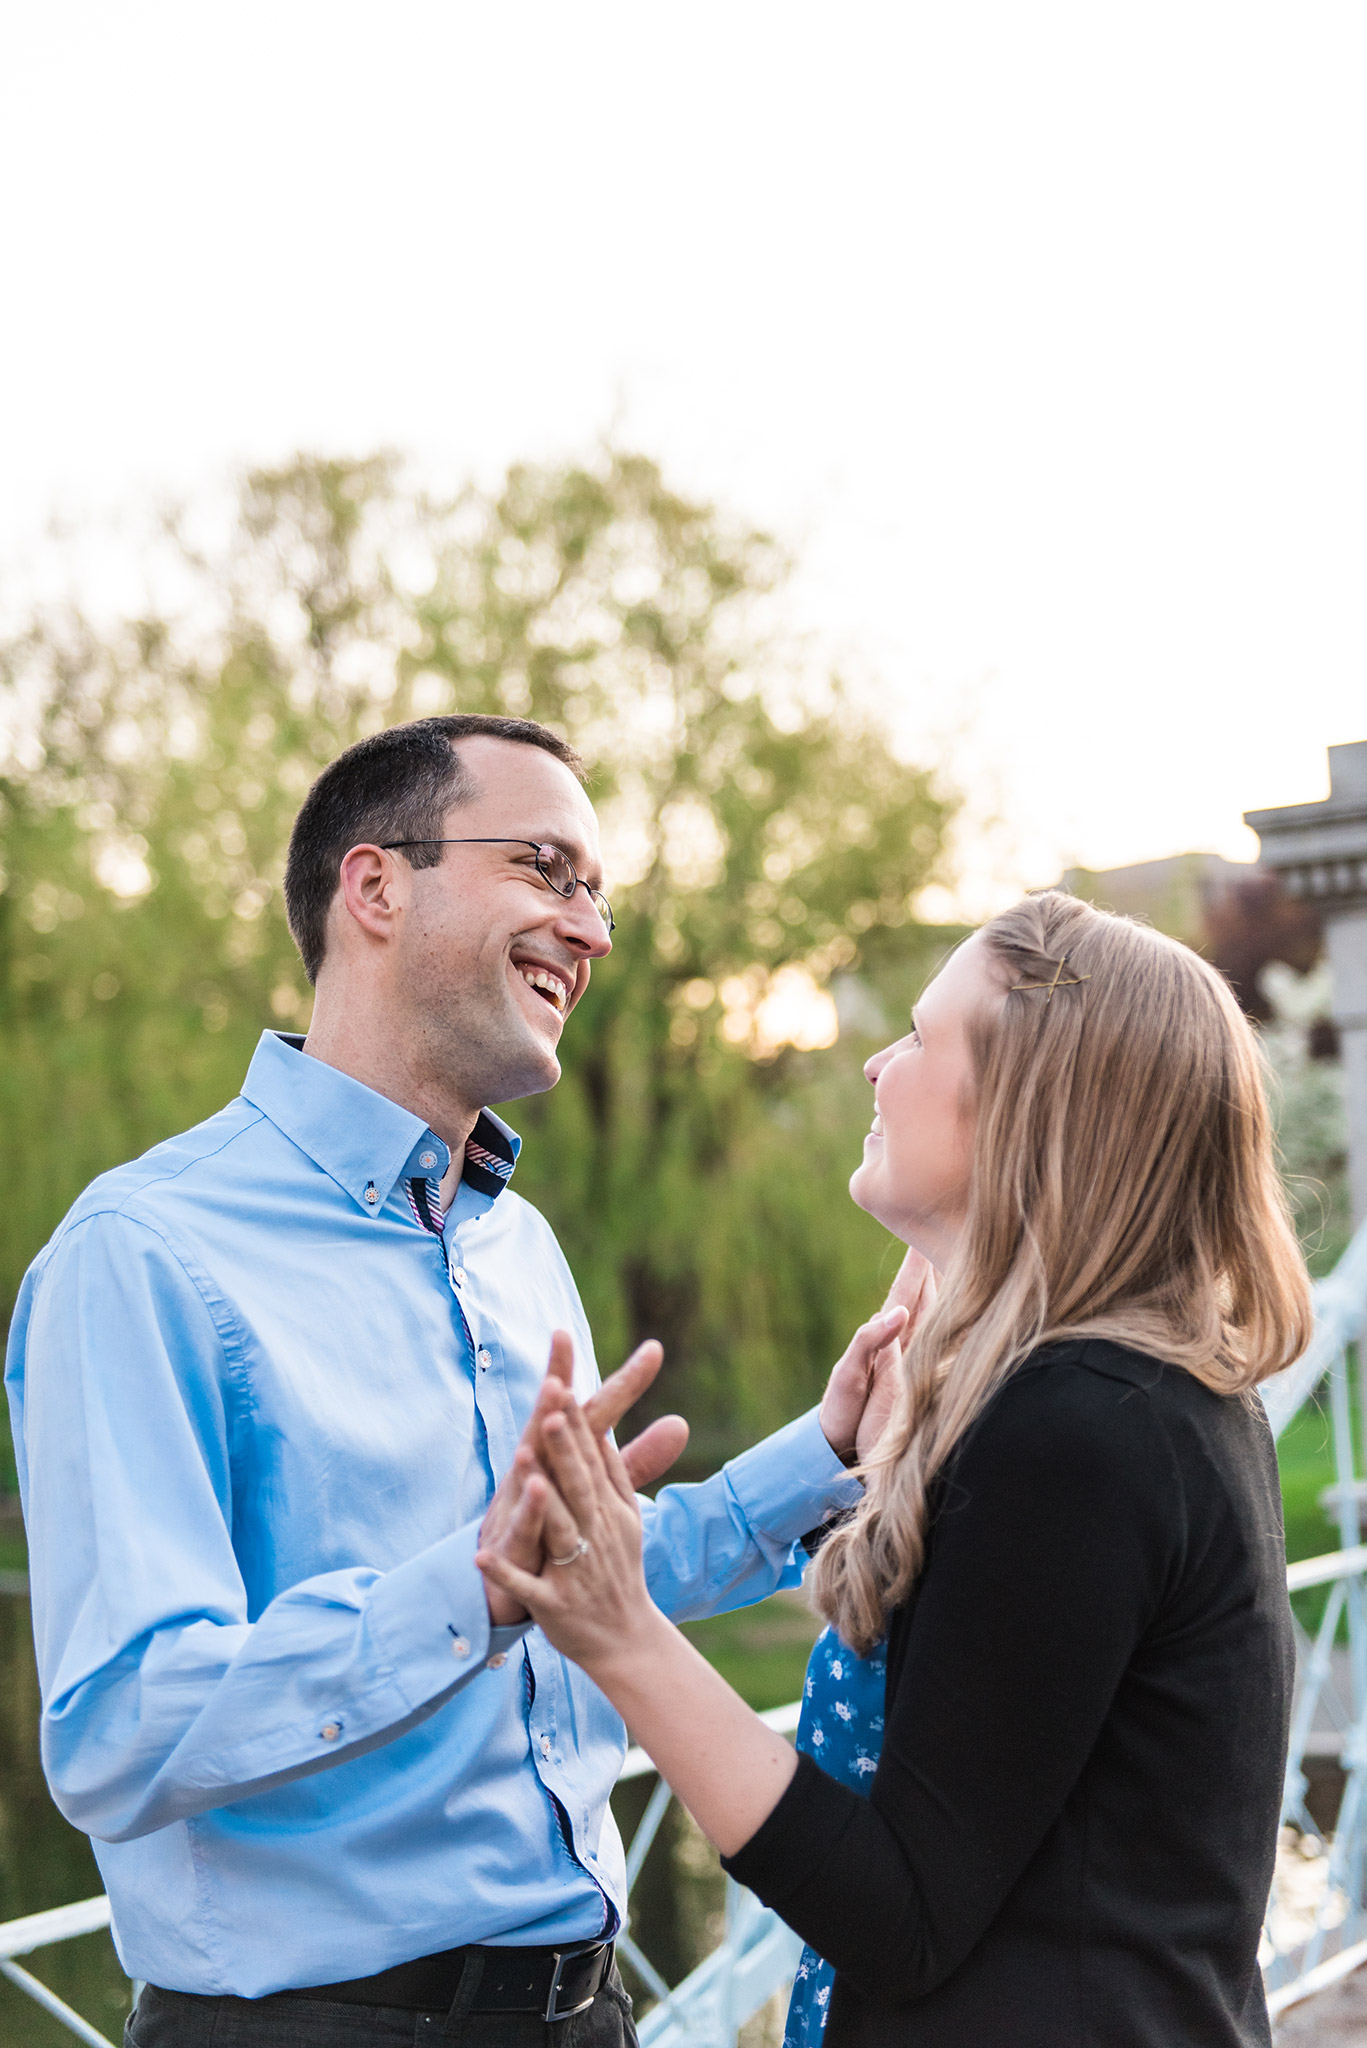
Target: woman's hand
x: 590, y: 1596
x: 645, y: 1458
x: 726, y: 1766
x: 860, y: 1391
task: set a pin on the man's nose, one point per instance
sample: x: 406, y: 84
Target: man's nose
x: 580, y: 926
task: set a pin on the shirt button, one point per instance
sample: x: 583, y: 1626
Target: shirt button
x: 485, y: 1358
x: 546, y: 1747
x: 330, y: 1730
x: 370, y: 1193
x: 459, y: 1647
x: 427, y: 1158
x: 498, y: 1660
x: 458, y: 1275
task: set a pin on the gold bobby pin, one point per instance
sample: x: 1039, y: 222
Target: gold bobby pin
x: 1026, y: 987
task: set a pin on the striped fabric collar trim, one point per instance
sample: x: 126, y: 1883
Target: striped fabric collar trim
x: 488, y: 1168
x: 425, y: 1203
x: 489, y: 1158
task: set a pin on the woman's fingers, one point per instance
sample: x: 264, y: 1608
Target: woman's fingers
x: 615, y: 1467
x: 560, y: 1530
x: 567, y: 1441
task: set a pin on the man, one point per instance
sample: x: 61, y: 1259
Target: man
x: 266, y: 1382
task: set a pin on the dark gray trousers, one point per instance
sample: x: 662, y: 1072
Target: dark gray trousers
x: 177, y: 2019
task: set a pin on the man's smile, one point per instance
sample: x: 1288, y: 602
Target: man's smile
x: 552, y: 984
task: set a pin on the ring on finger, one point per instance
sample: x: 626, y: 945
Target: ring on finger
x: 581, y: 1549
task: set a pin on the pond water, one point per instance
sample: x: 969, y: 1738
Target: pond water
x: 677, y: 1903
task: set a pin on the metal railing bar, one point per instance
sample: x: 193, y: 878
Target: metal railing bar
x: 644, y: 1969
x: 1319, y: 1571
x: 1315, y: 1687
x: 50, y: 2002
x: 646, y: 1832
x: 1319, y: 1979
x: 1345, y: 1458
x: 59, y: 1923
x: 1340, y: 1304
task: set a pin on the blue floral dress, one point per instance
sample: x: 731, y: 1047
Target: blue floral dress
x: 842, y: 1730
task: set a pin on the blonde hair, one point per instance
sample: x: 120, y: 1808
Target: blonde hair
x: 1123, y: 1185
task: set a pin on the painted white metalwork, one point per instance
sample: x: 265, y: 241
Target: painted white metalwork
x: 757, y: 1955
x: 37, y: 1930
x: 1316, y: 1930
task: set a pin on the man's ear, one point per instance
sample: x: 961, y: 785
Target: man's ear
x: 373, y: 890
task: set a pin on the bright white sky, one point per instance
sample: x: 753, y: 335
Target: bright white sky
x: 1040, y: 331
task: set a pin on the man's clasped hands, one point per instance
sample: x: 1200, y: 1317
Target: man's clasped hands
x: 562, y: 1538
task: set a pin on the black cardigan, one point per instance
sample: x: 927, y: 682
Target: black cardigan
x: 1070, y: 1837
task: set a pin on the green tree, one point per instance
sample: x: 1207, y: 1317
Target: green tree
x: 762, y: 839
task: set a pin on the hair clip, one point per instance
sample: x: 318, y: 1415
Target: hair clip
x: 1027, y: 987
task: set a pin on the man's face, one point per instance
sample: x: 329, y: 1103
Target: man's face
x: 490, y: 960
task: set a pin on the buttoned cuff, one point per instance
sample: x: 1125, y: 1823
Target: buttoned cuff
x: 431, y: 1617
x: 792, y: 1482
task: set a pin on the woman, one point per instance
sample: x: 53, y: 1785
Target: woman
x: 1070, y: 1534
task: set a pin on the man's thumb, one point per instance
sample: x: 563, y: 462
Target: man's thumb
x: 651, y: 1454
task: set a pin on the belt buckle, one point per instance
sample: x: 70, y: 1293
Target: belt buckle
x: 562, y: 1957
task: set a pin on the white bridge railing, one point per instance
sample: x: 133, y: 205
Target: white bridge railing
x: 1316, y: 1928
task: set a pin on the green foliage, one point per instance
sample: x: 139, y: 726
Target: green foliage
x: 762, y: 839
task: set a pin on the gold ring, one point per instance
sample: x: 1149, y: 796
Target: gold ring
x: 575, y: 1555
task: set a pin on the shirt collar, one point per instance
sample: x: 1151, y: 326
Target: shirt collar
x: 362, y: 1140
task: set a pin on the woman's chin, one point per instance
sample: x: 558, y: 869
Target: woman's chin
x: 864, y: 1183
x: 869, y: 1192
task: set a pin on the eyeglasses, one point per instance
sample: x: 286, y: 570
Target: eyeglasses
x: 552, y: 865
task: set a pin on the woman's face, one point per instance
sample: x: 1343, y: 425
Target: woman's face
x: 918, y: 1156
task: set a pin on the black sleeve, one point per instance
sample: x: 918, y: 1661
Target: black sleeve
x: 1055, y: 1542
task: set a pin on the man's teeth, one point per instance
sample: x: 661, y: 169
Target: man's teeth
x: 537, y: 977
x: 876, y: 1128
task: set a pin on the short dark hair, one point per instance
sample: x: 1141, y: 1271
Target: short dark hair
x: 398, y: 784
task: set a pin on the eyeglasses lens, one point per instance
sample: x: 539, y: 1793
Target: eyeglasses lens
x: 556, y: 868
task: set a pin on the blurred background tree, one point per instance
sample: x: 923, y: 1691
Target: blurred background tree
x: 765, y: 849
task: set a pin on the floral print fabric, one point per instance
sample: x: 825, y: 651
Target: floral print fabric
x: 841, y: 1729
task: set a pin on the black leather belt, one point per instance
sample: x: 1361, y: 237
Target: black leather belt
x: 554, y: 1982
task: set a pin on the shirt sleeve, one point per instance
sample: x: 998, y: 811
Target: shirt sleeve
x: 1051, y: 1552
x: 734, y: 1538
x: 162, y: 1697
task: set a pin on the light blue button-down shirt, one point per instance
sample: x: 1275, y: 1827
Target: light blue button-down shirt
x: 261, y: 1400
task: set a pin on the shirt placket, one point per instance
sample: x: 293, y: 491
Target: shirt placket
x: 543, y: 1705
x: 424, y: 1199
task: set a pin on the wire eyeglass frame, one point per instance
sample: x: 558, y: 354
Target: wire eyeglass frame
x: 549, y: 861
